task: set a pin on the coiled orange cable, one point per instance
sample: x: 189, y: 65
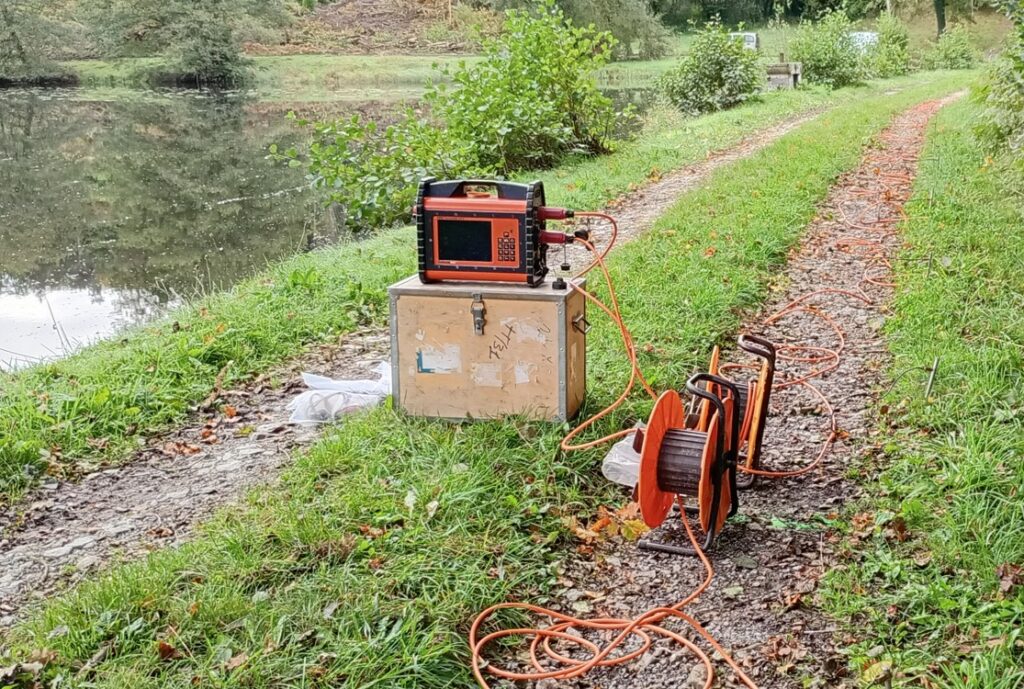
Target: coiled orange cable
x: 644, y: 627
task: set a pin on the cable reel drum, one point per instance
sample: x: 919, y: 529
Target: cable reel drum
x: 695, y: 453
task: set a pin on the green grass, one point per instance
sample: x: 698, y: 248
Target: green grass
x: 953, y: 464
x: 297, y: 580
x: 95, y: 406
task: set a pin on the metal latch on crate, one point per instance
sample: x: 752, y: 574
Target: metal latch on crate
x: 478, y: 311
x: 581, y: 324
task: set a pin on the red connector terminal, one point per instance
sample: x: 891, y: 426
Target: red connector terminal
x: 549, y: 213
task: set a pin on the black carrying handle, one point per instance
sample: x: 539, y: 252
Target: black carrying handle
x: 758, y: 346
x: 452, y: 188
x: 692, y: 387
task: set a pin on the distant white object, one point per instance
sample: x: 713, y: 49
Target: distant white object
x: 327, y: 399
x: 622, y: 463
x: 784, y: 75
x: 751, y: 41
x: 864, y: 40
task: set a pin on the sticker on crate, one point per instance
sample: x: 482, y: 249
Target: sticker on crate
x: 447, y: 359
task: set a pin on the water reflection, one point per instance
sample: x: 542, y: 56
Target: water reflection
x: 114, y: 209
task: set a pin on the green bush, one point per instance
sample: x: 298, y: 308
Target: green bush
x: 373, y: 171
x: 1002, y: 93
x: 891, y: 56
x: 827, y: 51
x: 529, y: 102
x: 533, y: 97
x: 717, y: 73
x: 953, y: 50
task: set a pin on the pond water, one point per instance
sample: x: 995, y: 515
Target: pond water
x: 117, y: 205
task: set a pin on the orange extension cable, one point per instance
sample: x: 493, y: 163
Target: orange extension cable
x: 650, y: 624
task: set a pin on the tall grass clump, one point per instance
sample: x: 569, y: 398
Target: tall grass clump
x: 890, y: 57
x: 827, y: 51
x: 717, y: 73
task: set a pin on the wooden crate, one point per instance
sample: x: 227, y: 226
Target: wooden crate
x: 487, y: 350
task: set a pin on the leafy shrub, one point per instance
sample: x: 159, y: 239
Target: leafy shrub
x: 953, y: 50
x: 890, y: 57
x: 1002, y: 92
x: 531, y: 100
x: 207, y: 52
x: 373, y: 171
x: 827, y: 51
x: 716, y: 74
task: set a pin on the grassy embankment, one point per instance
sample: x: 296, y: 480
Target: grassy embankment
x: 937, y: 590
x: 345, y: 572
x: 310, y: 78
x: 97, y: 405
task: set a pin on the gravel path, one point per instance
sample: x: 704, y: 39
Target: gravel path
x: 761, y: 605
x: 64, y: 531
x: 637, y: 212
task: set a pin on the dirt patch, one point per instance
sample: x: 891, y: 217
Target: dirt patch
x: 64, y: 530
x: 377, y: 27
x: 768, y: 561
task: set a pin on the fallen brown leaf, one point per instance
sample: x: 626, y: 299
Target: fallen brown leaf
x: 167, y: 651
x: 237, y: 661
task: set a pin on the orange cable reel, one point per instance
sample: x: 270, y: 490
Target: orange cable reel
x: 679, y: 462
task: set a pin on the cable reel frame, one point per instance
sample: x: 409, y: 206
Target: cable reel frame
x: 754, y: 407
x: 752, y: 404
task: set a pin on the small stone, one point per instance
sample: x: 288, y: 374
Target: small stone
x: 696, y: 678
x: 65, y: 550
x: 744, y: 562
x: 84, y: 564
x: 875, y: 652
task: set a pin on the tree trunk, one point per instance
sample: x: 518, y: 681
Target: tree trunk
x: 940, y: 16
x: 19, y: 47
x: 889, y: 6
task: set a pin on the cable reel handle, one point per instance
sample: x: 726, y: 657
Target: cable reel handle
x: 697, y: 391
x: 758, y: 346
x: 734, y: 390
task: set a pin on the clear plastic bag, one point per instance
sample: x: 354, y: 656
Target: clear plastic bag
x: 622, y: 463
x: 327, y: 399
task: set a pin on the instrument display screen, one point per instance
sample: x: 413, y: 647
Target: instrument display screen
x: 464, y: 240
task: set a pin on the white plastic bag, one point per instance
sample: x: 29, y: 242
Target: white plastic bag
x: 622, y: 463
x: 327, y: 399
